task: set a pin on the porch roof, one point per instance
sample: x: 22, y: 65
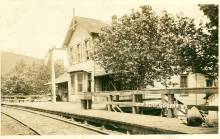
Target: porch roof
x: 83, y: 66
x: 102, y: 73
x: 61, y: 79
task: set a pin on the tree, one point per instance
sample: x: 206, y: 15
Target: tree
x: 29, y: 79
x: 14, y: 82
x: 177, y: 34
x: 210, y: 56
x: 143, y: 47
x: 202, y: 57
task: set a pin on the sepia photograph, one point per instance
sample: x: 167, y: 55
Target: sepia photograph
x: 109, y: 67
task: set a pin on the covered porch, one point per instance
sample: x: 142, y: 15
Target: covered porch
x: 61, y: 87
x: 88, y: 77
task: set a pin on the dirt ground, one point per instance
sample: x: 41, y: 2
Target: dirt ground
x: 10, y: 126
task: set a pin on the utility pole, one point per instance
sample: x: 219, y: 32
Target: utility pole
x: 53, y: 76
x: 50, y: 57
x: 93, y: 72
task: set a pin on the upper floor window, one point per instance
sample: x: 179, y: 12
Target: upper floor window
x: 71, y: 54
x: 79, y: 52
x: 87, y: 49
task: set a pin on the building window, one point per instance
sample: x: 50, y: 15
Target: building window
x: 72, y: 54
x: 72, y: 75
x: 64, y: 89
x: 183, y: 84
x: 78, y: 52
x: 209, y: 83
x: 80, y: 82
x: 89, y: 82
x: 87, y: 45
x: 183, y: 81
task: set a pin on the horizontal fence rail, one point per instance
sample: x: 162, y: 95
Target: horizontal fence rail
x: 208, y: 90
x: 22, y: 98
x: 137, y: 99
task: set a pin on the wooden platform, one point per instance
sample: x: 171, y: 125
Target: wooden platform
x: 137, y: 124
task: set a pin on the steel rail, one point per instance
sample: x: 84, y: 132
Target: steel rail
x: 63, y: 120
x: 36, y: 132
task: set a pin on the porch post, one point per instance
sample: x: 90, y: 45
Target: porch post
x: 60, y: 91
x: 75, y: 84
x: 69, y: 86
x: 92, y: 82
x: 85, y: 82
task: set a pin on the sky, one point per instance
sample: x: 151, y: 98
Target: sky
x: 31, y: 27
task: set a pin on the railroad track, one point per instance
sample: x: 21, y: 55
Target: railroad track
x: 28, y: 127
x: 61, y: 118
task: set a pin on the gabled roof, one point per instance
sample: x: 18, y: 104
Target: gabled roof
x: 91, y: 25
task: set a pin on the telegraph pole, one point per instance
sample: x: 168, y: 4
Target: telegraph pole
x: 53, y: 76
x: 93, y: 72
x: 50, y: 57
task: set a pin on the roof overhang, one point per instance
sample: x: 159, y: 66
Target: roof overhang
x: 83, y: 66
x: 61, y: 79
x: 102, y: 73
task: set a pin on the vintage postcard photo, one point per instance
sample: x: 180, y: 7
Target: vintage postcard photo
x: 109, y: 67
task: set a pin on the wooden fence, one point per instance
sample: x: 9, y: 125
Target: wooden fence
x: 29, y: 98
x: 138, y: 100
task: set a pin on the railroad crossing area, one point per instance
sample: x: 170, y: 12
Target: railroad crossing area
x: 125, y: 123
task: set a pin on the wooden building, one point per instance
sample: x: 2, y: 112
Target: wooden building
x: 189, y: 80
x: 84, y: 75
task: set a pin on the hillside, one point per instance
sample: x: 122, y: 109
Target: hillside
x: 9, y: 60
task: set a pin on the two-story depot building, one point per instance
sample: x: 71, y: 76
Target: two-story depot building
x: 84, y: 75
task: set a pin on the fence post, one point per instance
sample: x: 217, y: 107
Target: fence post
x: 170, y: 102
x: 176, y: 108
x: 162, y: 101
x: 139, y: 98
x: 117, y: 98
x: 133, y: 102
x: 110, y: 97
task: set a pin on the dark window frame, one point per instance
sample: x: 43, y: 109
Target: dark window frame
x: 184, y: 83
x: 209, y: 83
x: 80, y: 82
